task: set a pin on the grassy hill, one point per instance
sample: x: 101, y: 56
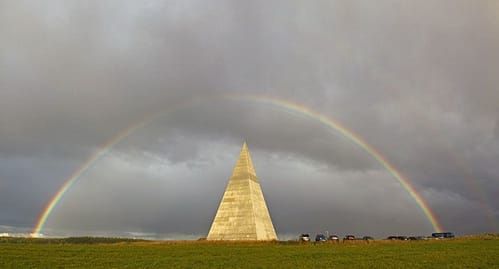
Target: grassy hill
x: 86, y: 252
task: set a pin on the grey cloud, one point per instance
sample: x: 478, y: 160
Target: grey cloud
x: 415, y: 80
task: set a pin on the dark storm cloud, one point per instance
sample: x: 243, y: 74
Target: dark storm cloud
x: 416, y: 80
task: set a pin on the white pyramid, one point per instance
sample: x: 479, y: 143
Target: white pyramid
x: 243, y: 214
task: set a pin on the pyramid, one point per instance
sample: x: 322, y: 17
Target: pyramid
x: 243, y: 214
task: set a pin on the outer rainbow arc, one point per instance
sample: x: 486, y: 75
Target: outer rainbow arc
x: 283, y: 104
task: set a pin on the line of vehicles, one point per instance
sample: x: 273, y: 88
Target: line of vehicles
x: 334, y: 238
x: 331, y: 238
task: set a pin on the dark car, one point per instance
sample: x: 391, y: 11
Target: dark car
x: 367, y: 238
x: 320, y: 238
x: 304, y: 238
x: 442, y: 235
x: 349, y: 237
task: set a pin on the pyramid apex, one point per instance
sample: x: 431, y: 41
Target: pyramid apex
x: 245, y: 163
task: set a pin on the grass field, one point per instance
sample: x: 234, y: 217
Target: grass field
x: 472, y: 252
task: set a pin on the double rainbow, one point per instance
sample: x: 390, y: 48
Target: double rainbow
x: 286, y: 105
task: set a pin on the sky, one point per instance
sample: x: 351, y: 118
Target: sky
x: 417, y: 80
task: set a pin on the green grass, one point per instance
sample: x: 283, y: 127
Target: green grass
x: 473, y: 252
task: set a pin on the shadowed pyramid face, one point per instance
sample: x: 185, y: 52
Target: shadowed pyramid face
x: 243, y: 214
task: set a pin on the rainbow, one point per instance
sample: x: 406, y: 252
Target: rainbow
x: 102, y: 151
x: 355, y: 138
x: 285, y: 105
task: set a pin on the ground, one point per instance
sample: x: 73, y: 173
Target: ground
x: 469, y: 252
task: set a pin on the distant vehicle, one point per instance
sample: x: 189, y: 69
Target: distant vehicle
x: 367, y: 238
x: 349, y: 237
x: 334, y: 238
x: 320, y: 238
x: 304, y: 238
x: 397, y: 237
x: 442, y: 235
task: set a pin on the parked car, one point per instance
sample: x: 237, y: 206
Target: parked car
x: 397, y: 237
x: 442, y: 235
x: 334, y: 238
x: 367, y: 238
x: 320, y: 238
x: 304, y: 238
x: 349, y: 237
